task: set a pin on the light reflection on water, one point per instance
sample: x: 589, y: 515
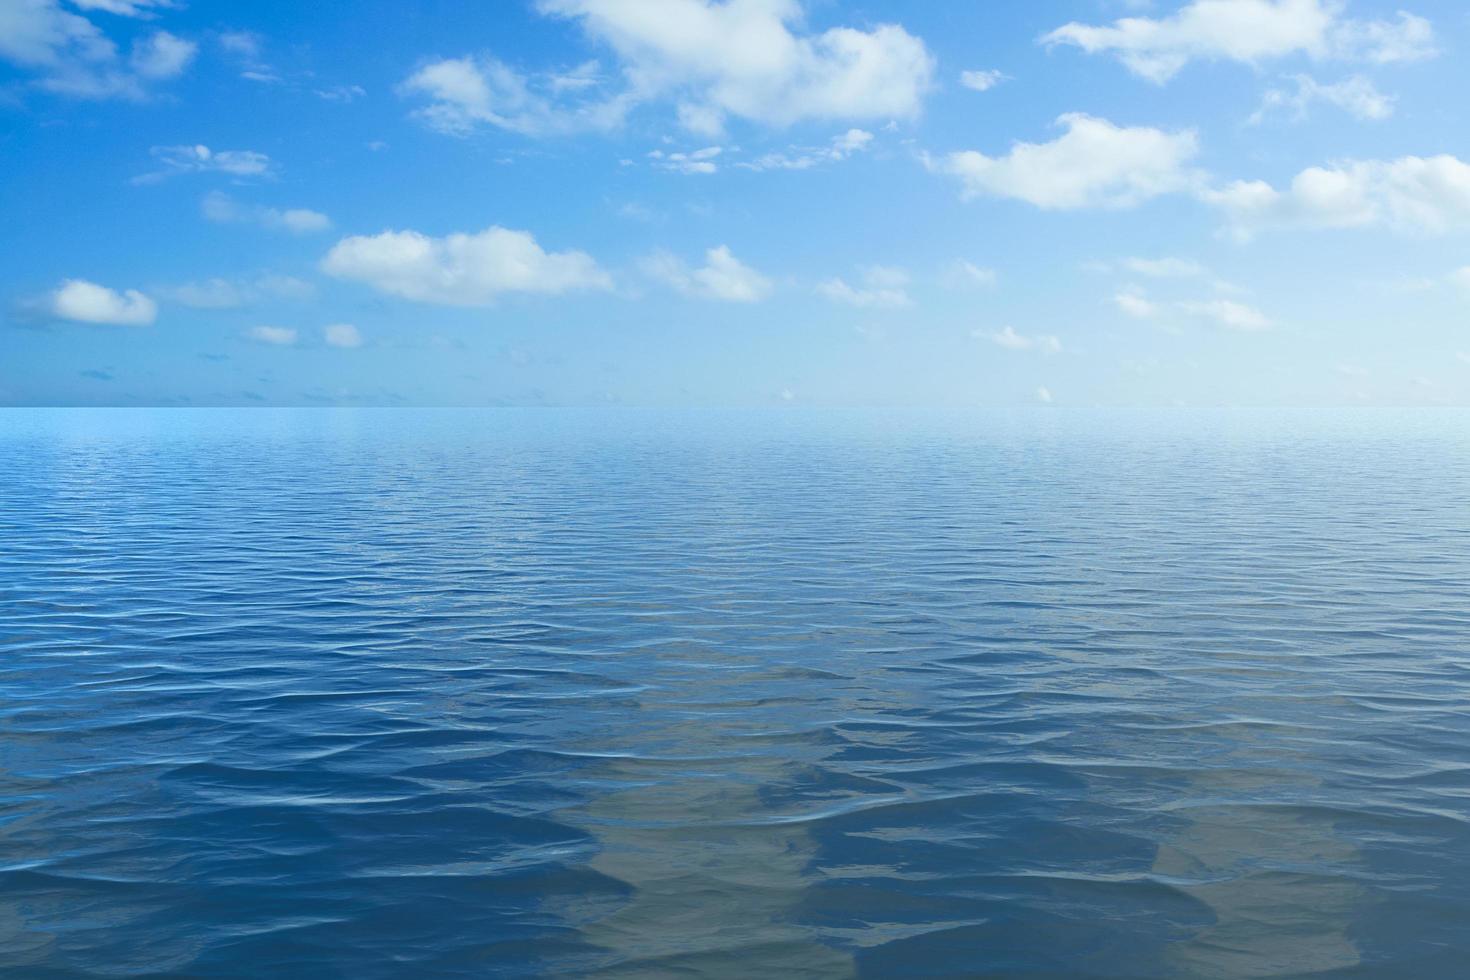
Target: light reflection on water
x: 521, y: 693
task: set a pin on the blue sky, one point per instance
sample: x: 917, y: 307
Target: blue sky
x: 754, y: 202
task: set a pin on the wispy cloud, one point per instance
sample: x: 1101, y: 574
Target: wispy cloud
x: 224, y: 209
x: 1008, y: 338
x: 174, y: 161
x: 1357, y: 96
x: 722, y: 277
x: 879, y: 287
x: 806, y: 157
x: 982, y: 80
x: 701, y: 161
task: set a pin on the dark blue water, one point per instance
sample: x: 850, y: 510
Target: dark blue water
x: 540, y: 693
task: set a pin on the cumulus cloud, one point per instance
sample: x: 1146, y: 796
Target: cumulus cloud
x: 87, y: 302
x: 880, y: 287
x: 745, y: 58
x: 982, y: 80
x: 1093, y: 164
x: 1411, y: 194
x: 71, y: 56
x: 722, y: 277
x: 343, y: 335
x: 276, y: 336
x: 1008, y: 338
x: 1356, y: 96
x: 806, y: 157
x: 298, y: 221
x: 461, y: 269
x: 1248, y: 31
x: 176, y: 160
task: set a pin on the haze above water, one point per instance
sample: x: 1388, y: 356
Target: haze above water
x: 532, y: 692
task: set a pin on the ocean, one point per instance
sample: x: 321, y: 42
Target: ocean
x: 624, y: 693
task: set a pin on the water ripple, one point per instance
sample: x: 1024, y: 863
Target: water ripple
x: 464, y: 694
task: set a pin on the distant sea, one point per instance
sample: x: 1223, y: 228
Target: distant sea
x: 536, y: 693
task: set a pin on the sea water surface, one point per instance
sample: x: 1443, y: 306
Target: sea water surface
x: 526, y: 693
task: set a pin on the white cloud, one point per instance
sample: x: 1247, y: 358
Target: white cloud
x: 1008, y: 338
x: 1228, y: 313
x: 1410, y: 194
x: 87, y: 302
x: 1136, y: 305
x: 693, y: 162
x: 1043, y: 395
x: 278, y: 336
x: 1461, y: 277
x: 244, y: 48
x: 341, y: 93
x: 343, y: 335
x: 982, y: 80
x: 804, y: 158
x: 224, y: 209
x: 722, y: 277
x: 881, y: 287
x: 41, y: 34
x: 1383, y: 42
x: 125, y: 8
x: 163, y: 56
x: 1356, y: 95
x: 962, y: 273
x: 744, y: 58
x: 461, y: 269
x: 1223, y: 312
x: 243, y: 44
x: 1093, y: 164
x: 464, y: 93
x: 72, y: 56
x: 1249, y: 31
x: 298, y: 221
x: 175, y: 160
x: 285, y: 287
x: 212, y: 294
